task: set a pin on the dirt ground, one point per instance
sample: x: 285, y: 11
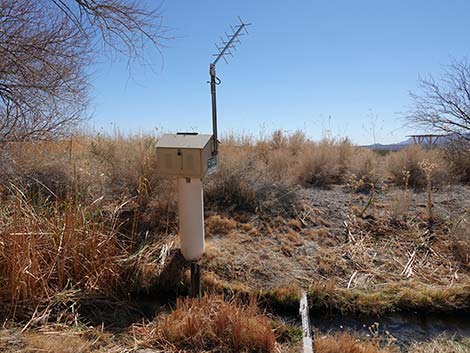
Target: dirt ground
x: 328, y: 241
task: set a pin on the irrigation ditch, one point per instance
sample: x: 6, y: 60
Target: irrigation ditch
x: 400, y: 327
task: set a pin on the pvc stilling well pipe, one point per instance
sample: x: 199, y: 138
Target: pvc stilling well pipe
x: 191, y: 218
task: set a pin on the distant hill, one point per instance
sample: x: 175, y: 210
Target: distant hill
x: 400, y: 145
x: 390, y: 147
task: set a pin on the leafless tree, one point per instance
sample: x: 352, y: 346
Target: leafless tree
x: 46, y: 47
x: 444, y: 105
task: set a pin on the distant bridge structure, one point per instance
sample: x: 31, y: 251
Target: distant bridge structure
x: 427, y: 140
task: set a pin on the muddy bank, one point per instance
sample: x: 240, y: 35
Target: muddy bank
x: 401, y: 328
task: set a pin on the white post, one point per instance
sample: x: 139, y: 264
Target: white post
x: 304, y: 314
x: 191, y: 218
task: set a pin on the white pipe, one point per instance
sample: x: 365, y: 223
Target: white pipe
x: 191, y: 218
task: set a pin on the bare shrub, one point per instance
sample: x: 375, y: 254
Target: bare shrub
x: 428, y: 169
x: 210, y: 323
x: 409, y: 158
x: 280, y: 155
x: 443, y: 105
x: 235, y: 185
x: 46, y: 47
x: 279, y: 165
x: 460, y: 238
x: 242, y: 184
x: 296, y: 142
x: 278, y: 140
x: 458, y: 156
x: 364, y: 165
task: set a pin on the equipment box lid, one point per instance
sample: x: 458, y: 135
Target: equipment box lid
x: 184, y: 141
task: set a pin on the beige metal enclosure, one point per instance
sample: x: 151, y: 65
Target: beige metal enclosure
x: 186, y: 155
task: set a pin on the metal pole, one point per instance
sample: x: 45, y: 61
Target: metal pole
x: 195, y: 280
x: 214, y: 109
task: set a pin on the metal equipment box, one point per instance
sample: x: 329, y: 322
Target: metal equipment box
x: 186, y: 155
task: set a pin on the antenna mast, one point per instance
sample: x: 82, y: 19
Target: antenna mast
x: 228, y: 44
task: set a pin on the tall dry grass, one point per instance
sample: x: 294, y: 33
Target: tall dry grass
x: 54, y: 249
x: 99, y: 170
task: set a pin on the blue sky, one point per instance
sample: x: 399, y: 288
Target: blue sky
x: 325, y: 67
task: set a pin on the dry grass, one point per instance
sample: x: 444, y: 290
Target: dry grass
x: 347, y: 343
x: 49, y: 250
x: 61, y: 339
x: 365, y: 165
x: 409, y: 160
x: 442, y: 344
x: 56, y: 343
x: 210, y: 324
x: 103, y: 171
x: 219, y: 225
x: 265, y: 231
x: 393, y: 297
x: 324, y: 163
x: 244, y: 184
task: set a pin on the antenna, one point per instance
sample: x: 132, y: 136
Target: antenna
x: 224, y: 49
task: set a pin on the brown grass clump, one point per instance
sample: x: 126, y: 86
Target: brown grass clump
x: 218, y: 225
x: 347, y: 343
x: 210, y: 324
x: 45, y: 251
x: 409, y: 160
x: 55, y: 342
x: 56, y: 338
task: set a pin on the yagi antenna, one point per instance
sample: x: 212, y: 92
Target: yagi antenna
x: 226, y: 47
x: 230, y: 41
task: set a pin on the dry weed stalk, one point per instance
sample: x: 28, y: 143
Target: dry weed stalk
x: 406, y: 179
x: 428, y: 169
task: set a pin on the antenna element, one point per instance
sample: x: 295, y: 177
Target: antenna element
x: 224, y: 50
